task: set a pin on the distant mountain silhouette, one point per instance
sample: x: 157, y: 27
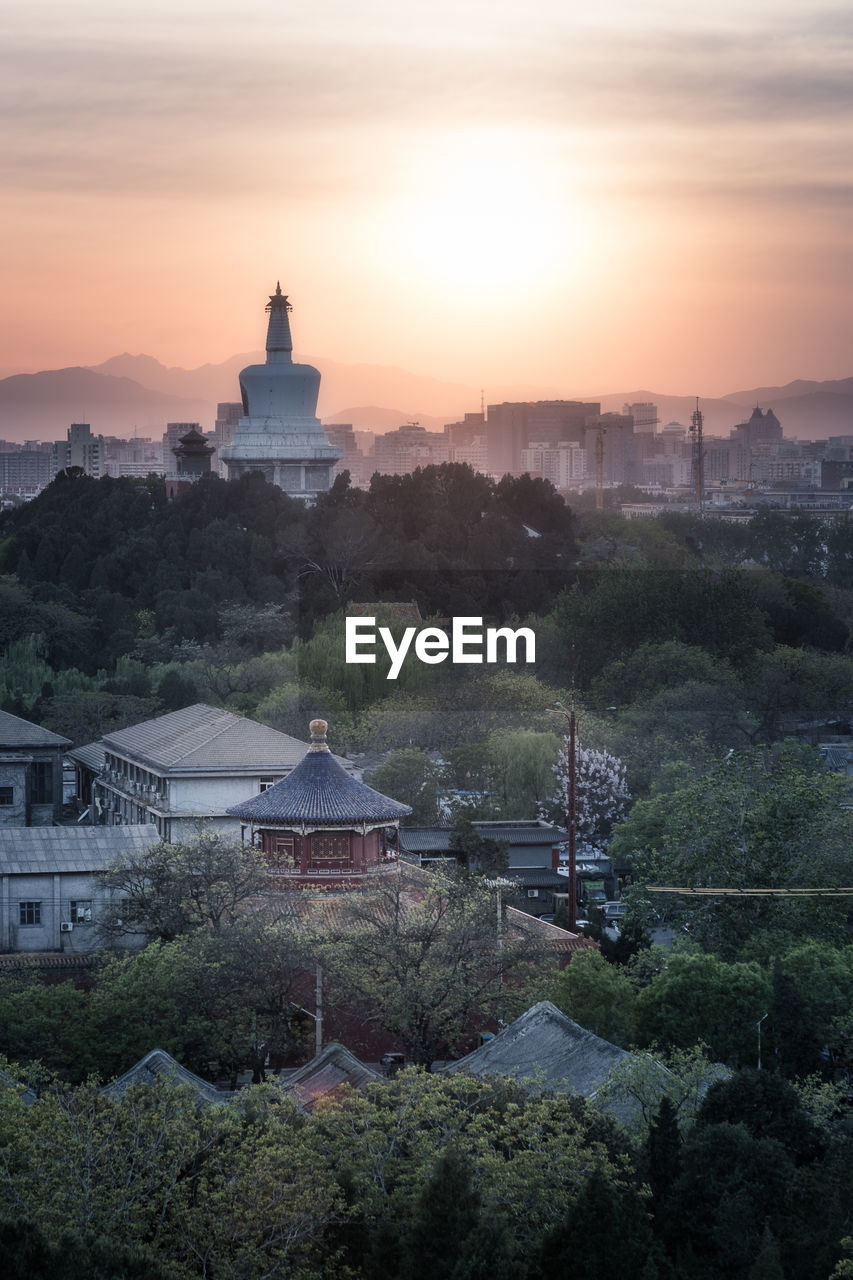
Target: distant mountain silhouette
x: 130, y: 392
x: 824, y: 409
x: 41, y: 406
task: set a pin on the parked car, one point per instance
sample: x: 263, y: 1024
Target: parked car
x: 614, y: 912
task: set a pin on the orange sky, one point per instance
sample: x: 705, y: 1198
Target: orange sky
x: 594, y: 198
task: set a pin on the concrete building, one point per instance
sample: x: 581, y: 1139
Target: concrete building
x: 400, y: 452
x: 182, y: 768
x: 25, y: 472
x: 228, y: 414
x: 30, y: 773
x: 80, y: 449
x: 280, y: 434
x: 512, y: 425
x: 49, y: 892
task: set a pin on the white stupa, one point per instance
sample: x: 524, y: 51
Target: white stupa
x: 280, y: 434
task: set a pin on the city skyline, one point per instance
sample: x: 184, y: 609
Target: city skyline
x: 624, y: 199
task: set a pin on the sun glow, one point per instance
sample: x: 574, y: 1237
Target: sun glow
x: 486, y: 216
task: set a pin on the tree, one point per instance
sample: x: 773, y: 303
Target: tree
x: 446, y: 1212
x: 702, y: 999
x: 219, y: 1000
x: 767, y: 818
x: 172, y: 889
x: 522, y: 769
x: 597, y: 995
x: 619, y: 1243
x: 601, y: 794
x: 412, y: 776
x: 643, y: 1080
x: 478, y: 852
x: 420, y: 958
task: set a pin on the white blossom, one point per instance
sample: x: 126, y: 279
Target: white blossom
x: 601, y: 796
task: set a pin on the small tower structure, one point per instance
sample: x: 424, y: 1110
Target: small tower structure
x: 193, y: 454
x: 280, y: 435
x: 319, y: 826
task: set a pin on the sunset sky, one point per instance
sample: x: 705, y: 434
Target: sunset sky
x: 593, y: 197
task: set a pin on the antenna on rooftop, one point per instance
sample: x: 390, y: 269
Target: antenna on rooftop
x: 697, y: 458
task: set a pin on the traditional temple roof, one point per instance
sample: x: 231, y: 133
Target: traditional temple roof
x: 551, y: 1051
x: 332, y: 1068
x: 320, y: 792
x: 158, y: 1064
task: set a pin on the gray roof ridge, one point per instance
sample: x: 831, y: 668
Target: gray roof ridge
x: 226, y: 717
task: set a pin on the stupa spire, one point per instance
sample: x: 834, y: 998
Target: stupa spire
x: 279, y: 341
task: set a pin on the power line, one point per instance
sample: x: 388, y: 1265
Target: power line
x: 749, y: 893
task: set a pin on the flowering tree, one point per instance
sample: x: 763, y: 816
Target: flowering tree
x: 601, y: 797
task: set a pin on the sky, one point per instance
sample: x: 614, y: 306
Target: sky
x: 589, y: 197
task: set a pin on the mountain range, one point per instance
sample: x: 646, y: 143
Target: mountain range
x: 136, y: 393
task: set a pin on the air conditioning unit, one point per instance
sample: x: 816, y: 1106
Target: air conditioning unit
x: 65, y: 926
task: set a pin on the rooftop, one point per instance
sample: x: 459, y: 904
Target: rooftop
x: 548, y: 1048
x: 320, y: 791
x: 48, y: 850
x: 15, y: 732
x: 333, y: 1067
x: 202, y: 739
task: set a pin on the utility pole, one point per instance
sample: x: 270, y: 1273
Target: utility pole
x: 697, y: 458
x: 572, y: 813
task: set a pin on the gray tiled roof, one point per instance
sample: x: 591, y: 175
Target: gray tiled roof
x: 92, y: 756
x: 204, y: 739
x: 543, y: 1044
x: 537, y: 877
x: 332, y: 1067
x: 319, y: 790
x: 160, y: 1065
x: 437, y: 839
x: 15, y: 732
x: 45, y: 850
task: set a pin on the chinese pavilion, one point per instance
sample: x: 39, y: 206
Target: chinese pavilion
x: 320, y: 826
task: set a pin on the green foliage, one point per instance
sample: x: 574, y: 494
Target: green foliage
x: 521, y: 764
x: 44, y: 1024
x: 414, y: 778
x: 760, y: 819
x: 618, y: 1244
x: 422, y: 964
x: 597, y: 995
x: 527, y: 1152
x: 643, y: 1079
x: 172, y: 889
x: 215, y: 1001
x: 702, y: 998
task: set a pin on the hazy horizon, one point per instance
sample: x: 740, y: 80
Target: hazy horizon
x: 626, y: 198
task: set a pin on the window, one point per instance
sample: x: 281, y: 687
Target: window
x: 81, y: 911
x: 281, y: 853
x: 30, y: 912
x: 41, y: 783
x: 331, y: 848
x: 533, y: 893
x: 266, y: 783
x: 7, y: 795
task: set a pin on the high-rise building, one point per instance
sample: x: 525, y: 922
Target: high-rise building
x: 80, y: 449
x: 228, y: 414
x: 280, y: 434
x: 645, y: 415
x: 511, y: 427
